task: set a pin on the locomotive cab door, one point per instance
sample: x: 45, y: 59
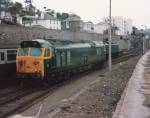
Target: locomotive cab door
x: 63, y: 59
x: 85, y: 59
x: 47, y: 62
x: 58, y: 59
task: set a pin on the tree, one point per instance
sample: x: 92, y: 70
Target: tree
x: 134, y: 30
x: 58, y: 15
x: 30, y: 10
x: 38, y: 12
x: 15, y: 8
x: 62, y: 16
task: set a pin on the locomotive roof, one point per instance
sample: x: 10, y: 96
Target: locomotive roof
x: 112, y: 43
x: 82, y: 45
x: 43, y: 43
x: 78, y: 45
x: 59, y: 44
x: 39, y: 43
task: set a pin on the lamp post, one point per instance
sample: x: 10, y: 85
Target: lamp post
x: 109, y: 58
x: 143, y: 45
x: 144, y: 39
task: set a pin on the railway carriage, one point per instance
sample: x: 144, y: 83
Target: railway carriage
x: 41, y: 59
x: 7, y: 61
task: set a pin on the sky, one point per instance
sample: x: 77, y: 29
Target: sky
x: 95, y: 10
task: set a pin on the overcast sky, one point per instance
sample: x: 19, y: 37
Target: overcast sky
x: 95, y: 10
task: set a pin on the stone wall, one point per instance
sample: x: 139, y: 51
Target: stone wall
x: 13, y: 35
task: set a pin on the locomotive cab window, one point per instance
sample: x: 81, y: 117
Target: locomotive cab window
x: 23, y: 51
x: 2, y: 58
x: 36, y: 52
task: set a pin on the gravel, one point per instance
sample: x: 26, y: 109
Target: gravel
x: 100, y: 98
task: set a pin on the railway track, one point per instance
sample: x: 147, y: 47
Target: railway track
x: 123, y: 58
x: 17, y: 100
x: 21, y: 100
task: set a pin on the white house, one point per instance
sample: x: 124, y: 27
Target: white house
x: 45, y: 21
x: 6, y: 15
x: 3, y: 13
x: 124, y: 25
x: 88, y: 26
x: 101, y: 27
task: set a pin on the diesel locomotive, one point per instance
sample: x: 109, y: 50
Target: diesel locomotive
x: 44, y: 60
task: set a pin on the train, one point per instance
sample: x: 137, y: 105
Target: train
x: 46, y: 60
x: 7, y: 61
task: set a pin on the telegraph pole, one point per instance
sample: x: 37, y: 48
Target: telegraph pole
x: 109, y: 58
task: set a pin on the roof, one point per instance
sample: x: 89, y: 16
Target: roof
x: 45, y: 16
x: 49, y: 17
x: 73, y: 17
x: 89, y: 22
x: 102, y: 23
x: 29, y: 17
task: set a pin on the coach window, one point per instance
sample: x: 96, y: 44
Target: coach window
x: 2, y: 58
x: 11, y: 55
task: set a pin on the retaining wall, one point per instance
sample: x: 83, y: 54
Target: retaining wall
x: 13, y: 35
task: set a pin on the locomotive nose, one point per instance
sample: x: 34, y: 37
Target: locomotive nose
x: 30, y: 66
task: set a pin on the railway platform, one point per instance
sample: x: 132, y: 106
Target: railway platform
x: 135, y: 101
